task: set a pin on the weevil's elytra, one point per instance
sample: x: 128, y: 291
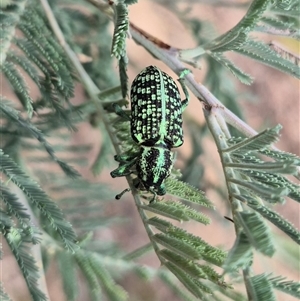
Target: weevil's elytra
x: 156, y: 126
x: 156, y: 109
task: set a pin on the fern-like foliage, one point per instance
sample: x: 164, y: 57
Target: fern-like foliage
x: 121, y: 30
x: 33, y: 131
x: 56, y: 85
x: 289, y: 287
x: 3, y: 294
x: 255, y: 181
x: 39, y: 199
x: 25, y: 261
x: 262, y: 179
x: 264, y: 16
x: 30, y: 130
x: 30, y: 52
x: 177, y: 250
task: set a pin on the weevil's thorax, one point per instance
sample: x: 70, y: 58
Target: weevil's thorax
x: 156, y: 109
x: 153, y: 166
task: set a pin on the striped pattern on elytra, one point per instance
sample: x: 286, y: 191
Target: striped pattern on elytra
x: 156, y: 126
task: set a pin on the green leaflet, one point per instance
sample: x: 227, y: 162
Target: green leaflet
x: 276, y: 23
x: 177, y: 246
x: 177, y: 211
x: 194, y: 270
x: 89, y: 273
x: 272, y: 216
x: 3, y: 295
x: 264, y: 54
x: 269, y: 194
x: 27, y: 264
x: 42, y: 59
x: 114, y: 291
x: 15, y: 116
x: 206, y: 252
x: 240, y: 255
x: 238, y: 73
x: 237, y: 36
x: 118, y: 48
x: 193, y: 285
x: 39, y: 198
x: 187, y: 192
x: 257, y: 142
x: 67, y: 270
x: 257, y: 232
x: 260, y: 288
x: 123, y: 62
x: 274, y: 184
x: 19, y: 86
x: 289, y: 287
x: 13, y: 206
x: 129, y: 2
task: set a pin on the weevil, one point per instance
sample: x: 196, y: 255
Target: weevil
x: 156, y: 127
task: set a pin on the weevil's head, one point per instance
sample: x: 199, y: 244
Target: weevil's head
x: 153, y: 166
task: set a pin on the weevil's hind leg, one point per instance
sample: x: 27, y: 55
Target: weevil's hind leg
x: 119, y: 111
x: 182, y: 75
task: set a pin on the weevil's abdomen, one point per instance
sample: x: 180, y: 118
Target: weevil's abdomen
x: 156, y: 109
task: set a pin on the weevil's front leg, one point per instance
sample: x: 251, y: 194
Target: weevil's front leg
x: 123, y: 169
x: 181, y: 79
x: 126, y: 162
x: 125, y: 158
x: 119, y: 111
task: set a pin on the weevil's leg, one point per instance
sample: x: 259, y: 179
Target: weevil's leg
x: 182, y: 75
x: 153, y: 198
x: 118, y: 196
x: 123, y: 169
x: 119, y: 111
x: 125, y: 158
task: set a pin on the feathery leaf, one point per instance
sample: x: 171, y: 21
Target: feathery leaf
x: 289, y: 287
x: 238, y: 73
x: 187, y: 192
x: 177, y: 211
x: 68, y: 274
x: 260, y: 288
x: 176, y: 245
x: 118, y: 48
x: 240, y: 255
x: 114, y: 292
x: 257, y: 232
x: 257, y: 142
x: 265, y: 55
x: 39, y: 198
x: 273, y: 217
x: 26, y: 263
x: 25, y: 125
